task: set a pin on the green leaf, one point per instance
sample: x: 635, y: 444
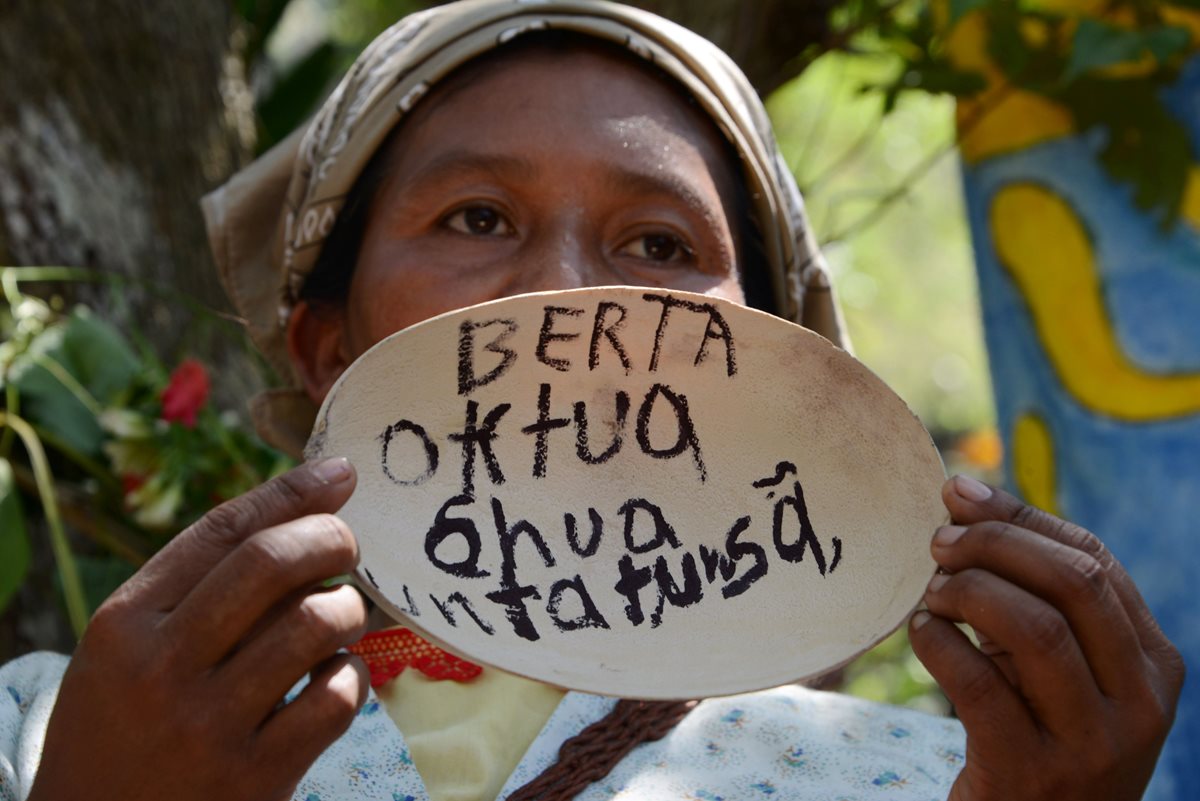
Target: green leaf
x: 296, y: 93
x: 1097, y: 44
x: 47, y: 401
x: 1166, y: 41
x: 1007, y: 47
x: 263, y: 17
x: 70, y: 371
x: 941, y: 77
x: 14, y: 542
x: 98, y: 355
x: 960, y: 8
x: 1147, y: 147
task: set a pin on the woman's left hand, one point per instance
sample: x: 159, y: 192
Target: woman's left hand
x: 1073, y: 688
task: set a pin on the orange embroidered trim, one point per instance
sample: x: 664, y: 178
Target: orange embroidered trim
x: 388, y: 652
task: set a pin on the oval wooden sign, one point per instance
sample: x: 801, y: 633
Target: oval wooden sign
x: 634, y: 492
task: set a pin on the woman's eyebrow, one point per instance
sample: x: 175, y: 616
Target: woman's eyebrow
x: 666, y: 183
x: 463, y: 163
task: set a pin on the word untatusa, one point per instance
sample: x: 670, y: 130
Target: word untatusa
x: 654, y: 570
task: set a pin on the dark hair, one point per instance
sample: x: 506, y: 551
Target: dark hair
x: 329, y: 282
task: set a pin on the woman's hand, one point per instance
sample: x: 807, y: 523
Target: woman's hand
x: 1073, y: 688
x: 175, y: 690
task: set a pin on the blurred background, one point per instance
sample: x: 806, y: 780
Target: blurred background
x: 125, y: 376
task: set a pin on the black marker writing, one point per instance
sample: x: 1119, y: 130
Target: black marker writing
x: 582, y: 448
x: 715, y: 328
x: 573, y: 533
x: 542, y: 428
x: 726, y: 563
x: 806, y: 538
x: 479, y: 436
x: 603, y: 328
x: 630, y: 584
x: 431, y: 452
x: 512, y: 593
x: 589, y: 616
x: 663, y: 531
x: 685, y: 429
x: 444, y: 528
x: 468, y: 380
x: 465, y: 603
x: 548, y: 335
x: 670, y: 592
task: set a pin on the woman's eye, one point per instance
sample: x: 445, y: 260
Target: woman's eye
x: 658, y: 247
x: 479, y: 221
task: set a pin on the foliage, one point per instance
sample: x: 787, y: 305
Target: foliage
x: 891, y: 673
x: 14, y: 540
x: 906, y: 282
x: 1106, y: 71
x: 125, y: 453
x: 292, y: 79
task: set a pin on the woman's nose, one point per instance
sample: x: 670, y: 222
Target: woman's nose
x: 567, y: 258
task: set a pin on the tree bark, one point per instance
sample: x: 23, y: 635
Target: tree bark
x: 767, y: 38
x: 115, y: 117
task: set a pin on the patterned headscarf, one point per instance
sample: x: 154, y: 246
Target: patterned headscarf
x: 268, y: 223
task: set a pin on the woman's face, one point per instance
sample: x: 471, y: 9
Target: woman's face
x: 531, y: 172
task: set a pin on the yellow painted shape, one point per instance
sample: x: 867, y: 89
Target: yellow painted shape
x: 1009, y: 123
x: 1001, y: 119
x: 1033, y: 462
x: 1044, y: 247
x: 1184, y: 18
x: 1190, y: 210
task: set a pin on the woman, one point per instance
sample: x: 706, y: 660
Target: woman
x: 467, y: 157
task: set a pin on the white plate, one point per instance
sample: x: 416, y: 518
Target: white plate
x: 765, y: 517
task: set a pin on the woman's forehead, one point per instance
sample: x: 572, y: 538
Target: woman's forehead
x: 593, y: 103
x: 595, y: 61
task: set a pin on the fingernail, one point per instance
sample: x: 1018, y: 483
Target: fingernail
x: 920, y: 619
x: 938, y: 581
x: 948, y: 535
x: 971, y: 489
x: 333, y: 471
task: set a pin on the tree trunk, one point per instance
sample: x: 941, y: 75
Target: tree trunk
x: 115, y: 117
x: 766, y: 37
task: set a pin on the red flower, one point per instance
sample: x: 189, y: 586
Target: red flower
x: 131, y: 483
x: 186, y: 393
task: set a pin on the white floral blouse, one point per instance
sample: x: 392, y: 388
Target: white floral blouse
x: 788, y: 743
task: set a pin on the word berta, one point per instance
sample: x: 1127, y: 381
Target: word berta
x: 604, y: 332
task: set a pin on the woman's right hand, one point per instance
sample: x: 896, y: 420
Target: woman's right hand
x: 176, y: 688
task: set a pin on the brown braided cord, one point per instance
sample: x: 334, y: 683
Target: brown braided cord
x: 590, y: 755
